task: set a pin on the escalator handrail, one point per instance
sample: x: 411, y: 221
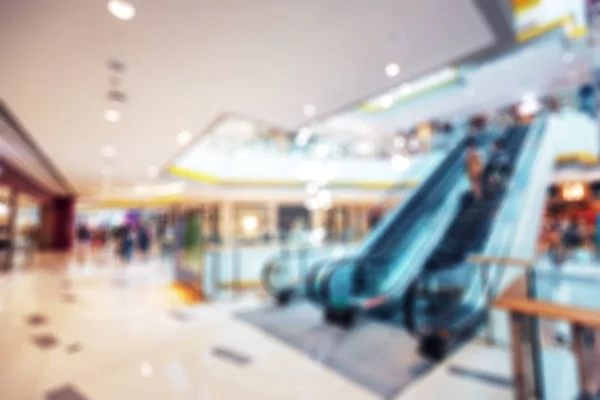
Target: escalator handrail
x: 413, y: 199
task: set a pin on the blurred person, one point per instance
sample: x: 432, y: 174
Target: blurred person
x: 572, y: 236
x: 497, y: 169
x: 374, y: 217
x: 127, y: 244
x: 84, y: 238
x: 556, y: 249
x: 425, y: 137
x: 168, y: 242
x: 144, y: 241
x: 474, y: 167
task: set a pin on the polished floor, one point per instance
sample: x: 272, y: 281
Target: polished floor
x: 114, y: 332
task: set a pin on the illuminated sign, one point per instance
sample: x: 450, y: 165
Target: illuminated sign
x: 573, y: 191
x: 533, y: 18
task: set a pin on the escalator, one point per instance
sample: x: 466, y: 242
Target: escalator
x: 465, y: 232
x: 392, y: 229
x: 469, y: 229
x: 448, y: 303
x: 375, y: 281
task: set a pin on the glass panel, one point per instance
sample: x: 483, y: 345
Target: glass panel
x: 577, y: 287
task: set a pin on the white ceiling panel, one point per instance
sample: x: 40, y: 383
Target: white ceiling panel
x: 189, y: 61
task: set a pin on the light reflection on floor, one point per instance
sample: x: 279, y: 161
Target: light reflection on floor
x: 118, y: 338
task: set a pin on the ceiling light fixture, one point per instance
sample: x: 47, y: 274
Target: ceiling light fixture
x: 109, y: 151
x: 386, y: 101
x: 112, y: 115
x: 309, y: 110
x: 121, y: 9
x: 405, y: 89
x: 184, y: 137
x: 392, y: 70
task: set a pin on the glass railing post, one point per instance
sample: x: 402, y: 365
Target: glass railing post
x: 302, y: 263
x: 524, y: 377
x: 216, y: 272
x: 489, y: 300
x: 534, y: 336
x: 582, y: 349
x: 236, y: 271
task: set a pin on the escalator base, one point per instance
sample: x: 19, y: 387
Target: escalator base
x: 344, y: 318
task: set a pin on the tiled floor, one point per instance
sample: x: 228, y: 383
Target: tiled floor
x: 120, y: 336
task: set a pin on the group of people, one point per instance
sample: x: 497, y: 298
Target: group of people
x: 127, y: 240
x: 564, y: 236
x: 487, y: 178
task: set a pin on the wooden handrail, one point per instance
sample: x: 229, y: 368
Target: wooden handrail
x: 482, y: 259
x: 514, y: 300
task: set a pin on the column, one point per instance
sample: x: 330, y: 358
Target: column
x: 11, y: 223
x: 64, y: 223
x: 226, y: 221
x: 58, y: 223
x: 317, y: 219
x: 273, y: 220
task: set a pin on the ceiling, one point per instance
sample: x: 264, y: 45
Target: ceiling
x: 548, y: 65
x: 189, y: 61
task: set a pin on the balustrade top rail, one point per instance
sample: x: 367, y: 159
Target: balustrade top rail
x: 514, y: 300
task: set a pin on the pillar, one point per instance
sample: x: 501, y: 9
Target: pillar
x: 272, y: 227
x: 226, y: 222
x: 11, y: 224
x: 58, y: 223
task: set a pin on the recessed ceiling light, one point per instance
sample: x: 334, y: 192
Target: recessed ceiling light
x: 568, y: 57
x: 109, y: 151
x: 146, y: 370
x: 153, y: 172
x: 386, y: 101
x: 121, y: 9
x: 184, y: 137
x: 406, y: 88
x: 309, y: 110
x: 392, y: 70
x: 112, y: 115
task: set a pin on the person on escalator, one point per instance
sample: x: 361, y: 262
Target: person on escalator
x: 497, y: 168
x: 572, y: 237
x: 474, y: 167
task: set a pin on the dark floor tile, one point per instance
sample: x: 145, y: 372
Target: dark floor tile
x: 45, y: 341
x: 181, y: 316
x: 37, y: 320
x: 69, y: 298
x: 65, y: 393
x: 231, y: 355
x: 74, y: 348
